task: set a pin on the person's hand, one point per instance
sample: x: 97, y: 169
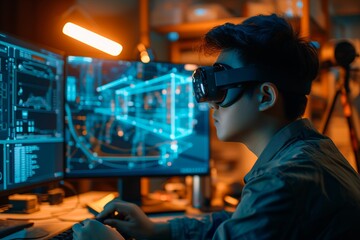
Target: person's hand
x: 128, y: 219
x: 94, y: 230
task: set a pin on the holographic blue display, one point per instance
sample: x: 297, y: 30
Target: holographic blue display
x: 127, y: 118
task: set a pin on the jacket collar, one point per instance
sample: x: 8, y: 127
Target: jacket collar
x: 290, y: 132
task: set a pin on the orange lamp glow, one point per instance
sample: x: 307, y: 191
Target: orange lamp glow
x: 92, y: 39
x: 144, y: 55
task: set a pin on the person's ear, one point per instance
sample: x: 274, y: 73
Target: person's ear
x: 268, y: 96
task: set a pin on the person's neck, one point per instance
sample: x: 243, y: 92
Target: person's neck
x: 257, y: 141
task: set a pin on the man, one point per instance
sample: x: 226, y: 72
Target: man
x: 300, y: 187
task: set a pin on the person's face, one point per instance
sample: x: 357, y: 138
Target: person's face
x: 233, y: 123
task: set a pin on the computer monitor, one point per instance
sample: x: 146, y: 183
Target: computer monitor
x: 31, y: 115
x: 133, y: 119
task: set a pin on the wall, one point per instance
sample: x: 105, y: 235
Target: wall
x: 41, y: 21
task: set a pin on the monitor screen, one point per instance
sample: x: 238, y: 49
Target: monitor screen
x: 31, y: 115
x: 127, y: 118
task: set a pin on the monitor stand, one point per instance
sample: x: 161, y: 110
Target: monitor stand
x: 129, y: 189
x: 202, y: 194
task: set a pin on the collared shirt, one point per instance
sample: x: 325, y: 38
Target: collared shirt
x: 301, y: 187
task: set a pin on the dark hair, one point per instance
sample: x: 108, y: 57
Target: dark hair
x: 270, y: 41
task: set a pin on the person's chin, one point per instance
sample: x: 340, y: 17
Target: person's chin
x: 221, y: 136
x: 223, y: 139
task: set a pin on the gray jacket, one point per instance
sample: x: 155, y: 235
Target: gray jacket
x: 301, y: 187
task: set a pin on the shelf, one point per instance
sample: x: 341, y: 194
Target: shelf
x: 195, y: 29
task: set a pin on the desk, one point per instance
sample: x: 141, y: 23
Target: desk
x: 54, y: 219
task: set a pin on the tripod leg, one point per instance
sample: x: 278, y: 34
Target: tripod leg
x: 354, y: 140
x: 330, y: 111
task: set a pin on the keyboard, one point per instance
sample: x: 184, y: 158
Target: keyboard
x: 94, y: 207
x: 65, y: 235
x: 8, y: 227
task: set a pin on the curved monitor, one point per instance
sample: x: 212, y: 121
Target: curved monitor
x: 127, y: 118
x: 31, y: 115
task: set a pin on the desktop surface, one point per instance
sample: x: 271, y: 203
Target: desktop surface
x: 52, y: 220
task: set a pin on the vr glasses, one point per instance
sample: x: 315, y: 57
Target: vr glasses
x: 222, y: 84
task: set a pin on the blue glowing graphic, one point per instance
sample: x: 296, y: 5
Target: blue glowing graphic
x: 131, y: 118
x: 168, y: 106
